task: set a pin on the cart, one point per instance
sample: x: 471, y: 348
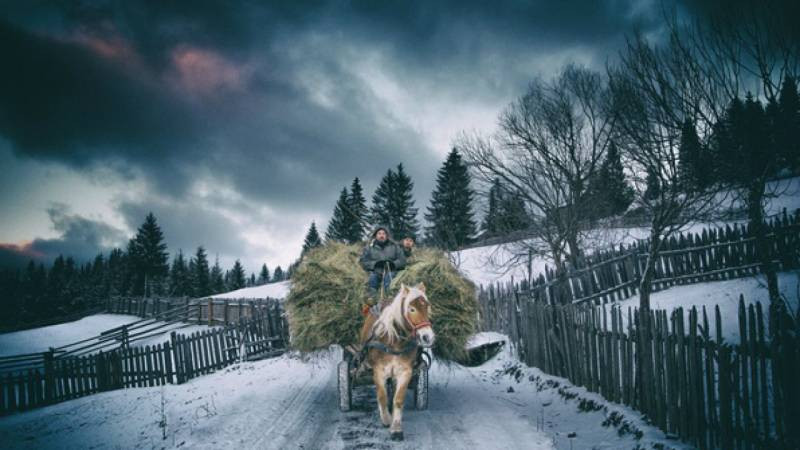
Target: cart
x: 353, y: 371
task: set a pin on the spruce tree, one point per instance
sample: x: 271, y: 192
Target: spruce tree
x: 149, y: 255
x: 611, y: 192
x: 358, y: 213
x: 277, y: 275
x: 339, y: 227
x: 201, y: 279
x: 179, y: 283
x: 252, y: 280
x: 450, y: 212
x: 490, y: 220
x: 403, y: 210
x: 787, y: 128
x: 237, y: 276
x: 263, y: 276
x: 689, y: 154
x: 380, y: 211
x: 653, y: 185
x: 217, y: 278
x: 312, y: 239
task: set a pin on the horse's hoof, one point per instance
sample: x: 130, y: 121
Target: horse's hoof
x: 397, y: 436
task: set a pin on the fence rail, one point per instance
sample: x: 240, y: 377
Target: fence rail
x: 682, y: 376
x: 60, y: 375
x: 713, y: 254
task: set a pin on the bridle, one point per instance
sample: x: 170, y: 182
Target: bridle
x: 414, y: 326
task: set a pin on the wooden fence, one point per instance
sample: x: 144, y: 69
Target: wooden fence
x: 713, y: 254
x: 262, y: 333
x: 683, y: 377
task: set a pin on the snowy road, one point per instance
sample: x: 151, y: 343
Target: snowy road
x: 286, y: 403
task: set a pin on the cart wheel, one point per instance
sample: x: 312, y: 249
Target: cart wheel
x: 345, y: 387
x: 421, y: 391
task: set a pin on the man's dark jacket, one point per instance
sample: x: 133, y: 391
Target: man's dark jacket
x: 375, y: 254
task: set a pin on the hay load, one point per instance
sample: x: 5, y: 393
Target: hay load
x: 329, y: 289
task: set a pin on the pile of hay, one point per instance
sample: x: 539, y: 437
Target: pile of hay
x: 329, y: 289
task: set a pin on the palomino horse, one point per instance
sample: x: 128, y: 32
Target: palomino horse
x: 393, y: 340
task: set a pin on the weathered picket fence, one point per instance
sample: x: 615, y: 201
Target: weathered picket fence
x: 685, y: 379
x: 713, y: 254
x: 68, y: 374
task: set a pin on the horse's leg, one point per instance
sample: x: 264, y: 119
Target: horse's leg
x: 379, y: 378
x: 402, y: 378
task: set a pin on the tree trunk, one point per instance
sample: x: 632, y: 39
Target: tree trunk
x: 758, y: 228
x: 646, y: 283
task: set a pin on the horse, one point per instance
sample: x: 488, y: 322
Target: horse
x: 393, y: 342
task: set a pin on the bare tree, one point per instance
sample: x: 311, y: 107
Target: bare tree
x: 550, y: 143
x: 653, y: 94
x: 751, y: 46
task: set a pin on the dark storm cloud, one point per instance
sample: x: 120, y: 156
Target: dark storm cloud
x: 63, y: 100
x: 186, y: 228
x: 279, y: 102
x: 80, y: 238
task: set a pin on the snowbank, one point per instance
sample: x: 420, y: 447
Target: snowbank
x: 277, y: 290
x: 722, y: 293
x: 288, y: 402
x: 40, y: 339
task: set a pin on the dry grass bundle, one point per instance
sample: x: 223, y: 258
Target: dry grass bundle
x: 329, y: 288
x: 453, y: 300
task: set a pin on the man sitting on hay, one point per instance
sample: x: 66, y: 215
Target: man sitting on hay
x: 381, y: 258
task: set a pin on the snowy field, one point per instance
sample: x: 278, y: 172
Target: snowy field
x: 726, y: 295
x: 485, y: 265
x: 39, y: 339
x: 286, y: 402
x: 277, y: 290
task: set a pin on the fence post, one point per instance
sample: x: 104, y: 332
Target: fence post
x: 49, y: 377
x: 177, y: 363
x: 210, y: 311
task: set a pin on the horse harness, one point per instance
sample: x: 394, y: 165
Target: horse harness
x: 411, y: 343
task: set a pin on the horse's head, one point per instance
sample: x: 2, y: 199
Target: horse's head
x: 416, y: 312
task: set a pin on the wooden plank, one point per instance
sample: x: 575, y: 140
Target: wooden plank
x: 762, y: 359
x: 754, y: 377
x: 148, y: 357
x: 743, y: 367
x: 710, y: 356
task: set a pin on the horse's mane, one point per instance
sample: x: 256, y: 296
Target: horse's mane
x: 391, y: 319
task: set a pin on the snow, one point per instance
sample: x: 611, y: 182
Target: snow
x: 726, y: 295
x: 483, y: 265
x: 277, y: 290
x: 40, y: 339
x: 289, y: 402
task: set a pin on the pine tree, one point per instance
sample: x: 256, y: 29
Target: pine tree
x: 402, y: 206
x: 277, y: 275
x: 611, y: 192
x: 237, y: 279
x: 787, y: 128
x: 217, y: 278
x: 252, y: 280
x: 312, y: 239
x: 689, y: 152
x: 149, y: 257
x: 490, y: 220
x: 450, y: 212
x: 263, y: 276
x: 201, y: 279
x: 358, y: 213
x: 380, y: 212
x: 179, y: 283
x: 653, y: 185
x: 339, y: 226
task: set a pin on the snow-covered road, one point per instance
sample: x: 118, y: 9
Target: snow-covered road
x: 287, y: 402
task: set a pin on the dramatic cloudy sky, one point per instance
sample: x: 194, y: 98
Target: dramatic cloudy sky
x: 237, y: 123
